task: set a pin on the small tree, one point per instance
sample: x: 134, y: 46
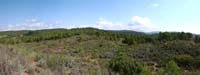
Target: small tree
x: 172, y: 69
x: 145, y: 70
x: 125, y: 65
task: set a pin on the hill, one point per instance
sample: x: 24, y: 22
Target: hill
x: 90, y: 51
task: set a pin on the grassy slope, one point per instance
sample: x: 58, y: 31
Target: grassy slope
x: 89, y: 55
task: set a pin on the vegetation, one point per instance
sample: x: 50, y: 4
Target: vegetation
x: 126, y: 66
x: 172, y: 69
x: 89, y: 51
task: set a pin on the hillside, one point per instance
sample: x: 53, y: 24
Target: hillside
x: 90, y: 51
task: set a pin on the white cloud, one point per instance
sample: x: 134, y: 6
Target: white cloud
x: 144, y: 21
x: 155, y: 4
x: 59, y: 22
x: 102, y: 21
x: 137, y: 24
x: 190, y: 27
x: 31, y: 20
x: 31, y: 24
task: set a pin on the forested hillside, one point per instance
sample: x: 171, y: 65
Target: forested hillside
x: 90, y: 51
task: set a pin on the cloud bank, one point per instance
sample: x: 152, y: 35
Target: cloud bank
x: 31, y: 24
x: 137, y: 24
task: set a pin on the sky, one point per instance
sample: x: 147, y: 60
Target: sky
x: 136, y: 15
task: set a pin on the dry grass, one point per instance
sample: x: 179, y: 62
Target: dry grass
x: 11, y: 62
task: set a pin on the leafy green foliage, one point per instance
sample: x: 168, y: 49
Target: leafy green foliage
x: 125, y: 65
x: 170, y: 36
x: 172, y: 69
x: 197, y: 39
x: 36, y: 36
x: 184, y: 60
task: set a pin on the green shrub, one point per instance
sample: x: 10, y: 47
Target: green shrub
x: 38, y: 56
x: 125, y: 65
x: 172, y: 69
x: 184, y: 60
x: 55, y: 61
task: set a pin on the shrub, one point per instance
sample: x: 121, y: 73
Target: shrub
x: 125, y: 65
x: 55, y: 61
x: 11, y: 61
x: 184, y: 60
x: 172, y: 69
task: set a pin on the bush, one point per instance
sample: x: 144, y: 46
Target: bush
x: 55, y: 61
x: 125, y: 65
x: 184, y: 60
x: 172, y: 69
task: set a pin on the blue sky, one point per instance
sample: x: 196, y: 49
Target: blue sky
x: 139, y: 15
